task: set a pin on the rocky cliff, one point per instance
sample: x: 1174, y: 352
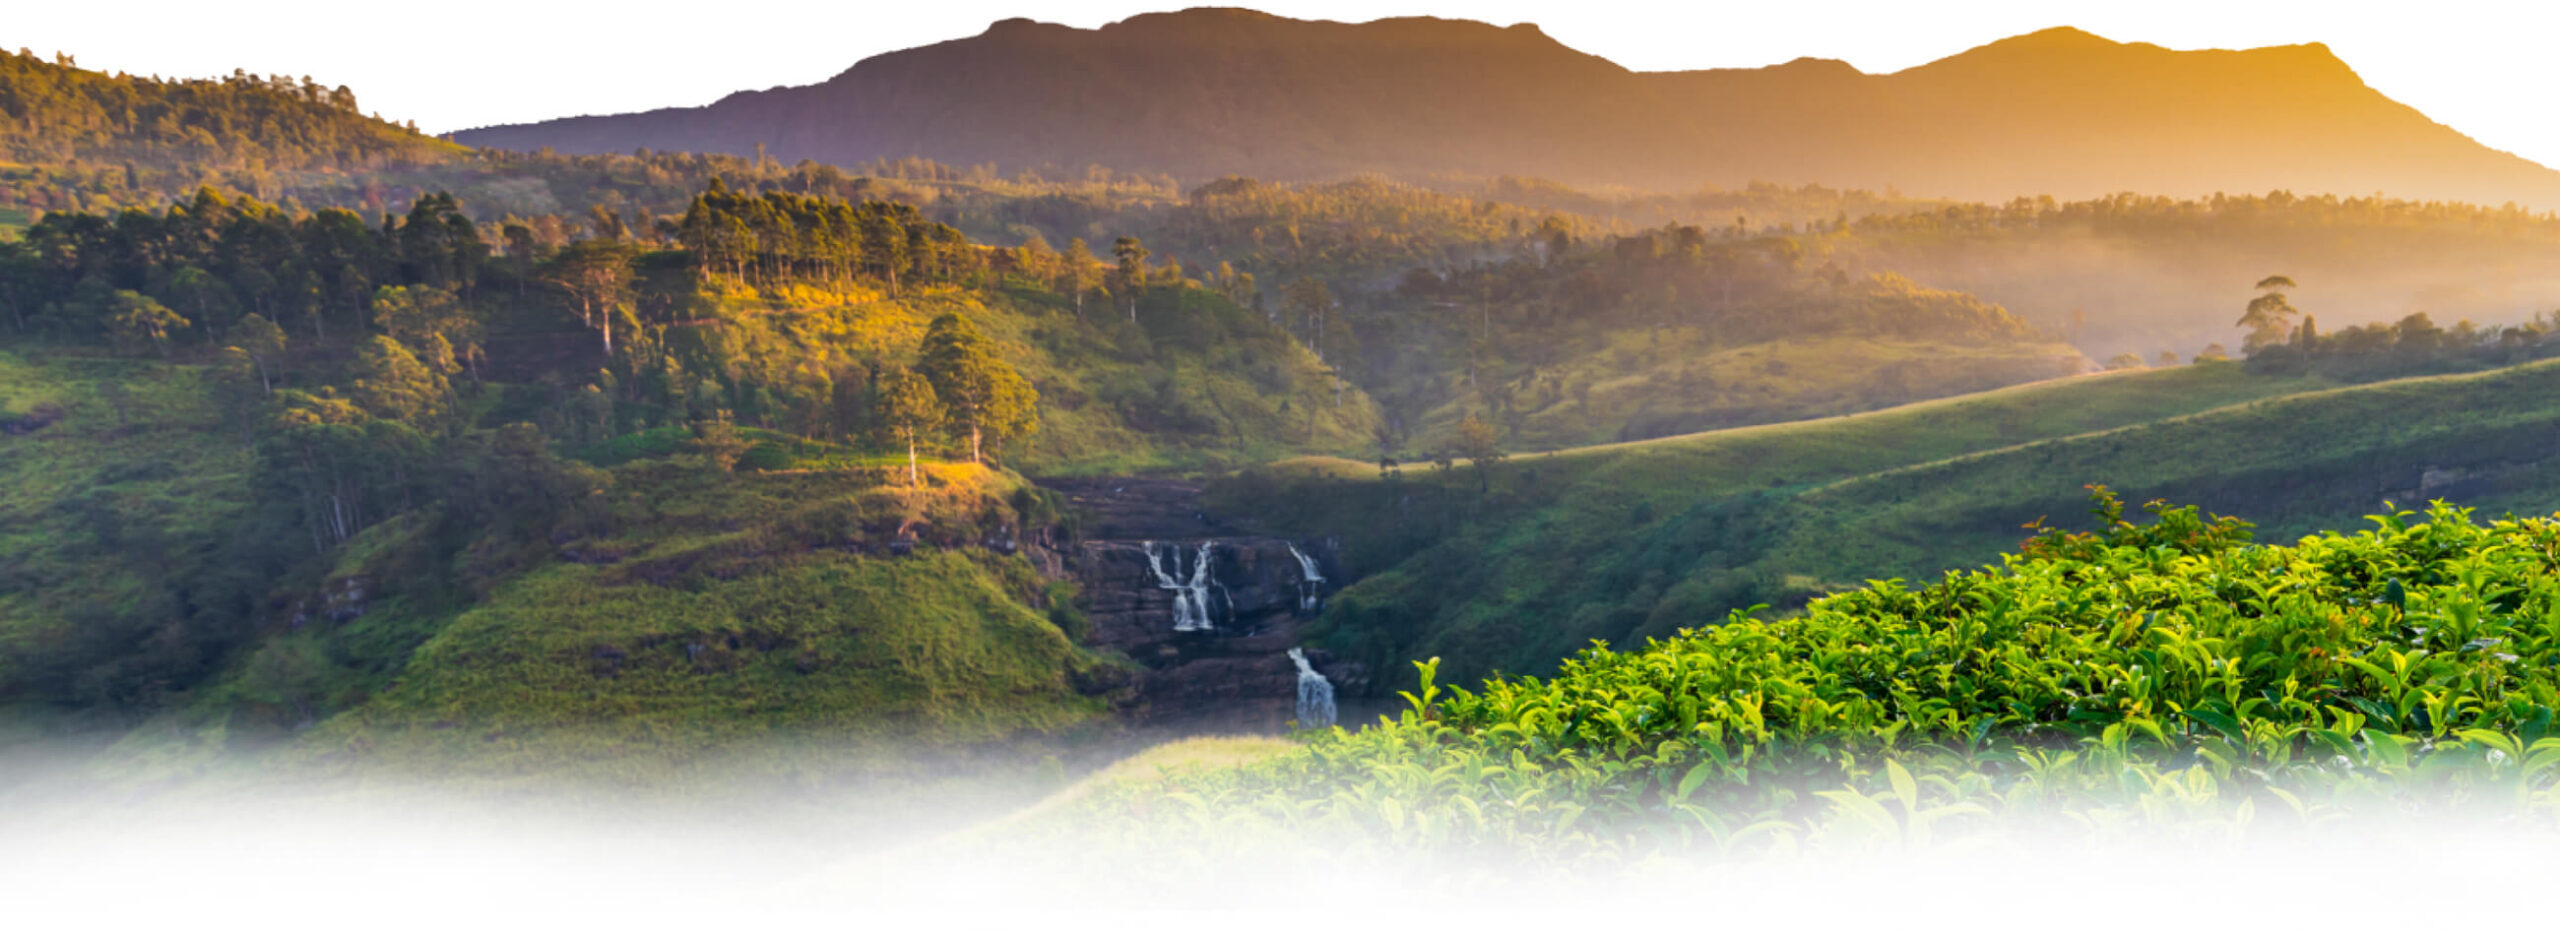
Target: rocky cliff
x: 1207, y: 611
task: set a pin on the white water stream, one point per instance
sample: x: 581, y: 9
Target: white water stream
x: 1315, y: 693
x: 1191, y: 591
x: 1311, y: 582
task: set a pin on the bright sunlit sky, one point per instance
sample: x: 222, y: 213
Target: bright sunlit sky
x: 2486, y: 68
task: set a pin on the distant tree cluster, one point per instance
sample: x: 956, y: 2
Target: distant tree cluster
x: 1562, y: 292
x: 2412, y: 345
x: 1759, y: 207
x: 2232, y: 217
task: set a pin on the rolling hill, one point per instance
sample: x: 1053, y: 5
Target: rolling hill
x: 1622, y: 542
x: 1208, y: 92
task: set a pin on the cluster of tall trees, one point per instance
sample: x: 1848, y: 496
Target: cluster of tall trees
x: 195, y: 270
x: 960, y: 388
x: 779, y: 236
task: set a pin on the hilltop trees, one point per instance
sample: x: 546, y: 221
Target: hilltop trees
x: 58, y: 112
x: 982, y: 396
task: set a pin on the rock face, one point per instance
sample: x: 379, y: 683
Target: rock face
x: 340, y: 600
x: 1212, y: 635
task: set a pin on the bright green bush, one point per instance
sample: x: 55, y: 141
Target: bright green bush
x: 2168, y: 674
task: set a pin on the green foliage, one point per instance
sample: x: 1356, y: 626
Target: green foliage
x: 137, y: 322
x: 187, y: 273
x: 2270, y: 315
x: 908, y: 411
x: 2119, y: 682
x: 131, y: 555
x: 264, y: 344
x: 392, y: 384
x: 982, y: 396
x: 2179, y: 529
x: 788, y: 237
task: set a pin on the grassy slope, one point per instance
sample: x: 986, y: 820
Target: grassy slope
x: 165, y: 478
x: 2296, y: 464
x: 1615, y: 541
x: 1672, y: 469
x: 930, y: 648
x: 1645, y: 384
x: 804, y: 623
x: 721, y: 612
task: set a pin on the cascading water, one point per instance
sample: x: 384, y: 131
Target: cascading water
x: 1310, y: 582
x: 1190, y: 593
x: 1315, y: 693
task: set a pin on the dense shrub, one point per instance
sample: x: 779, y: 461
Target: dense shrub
x: 2168, y: 672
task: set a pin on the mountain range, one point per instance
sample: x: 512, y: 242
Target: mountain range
x: 1209, y: 92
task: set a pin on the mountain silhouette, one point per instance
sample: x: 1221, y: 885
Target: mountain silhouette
x: 1209, y: 92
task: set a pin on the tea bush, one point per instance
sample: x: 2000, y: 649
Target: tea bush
x: 2169, y: 674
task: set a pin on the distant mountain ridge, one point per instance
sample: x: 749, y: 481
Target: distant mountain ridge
x: 1208, y: 92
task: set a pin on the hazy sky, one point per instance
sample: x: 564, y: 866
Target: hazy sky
x: 2486, y: 68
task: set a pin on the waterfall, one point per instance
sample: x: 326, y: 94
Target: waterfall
x: 1190, y: 592
x: 1315, y: 693
x: 1310, y: 582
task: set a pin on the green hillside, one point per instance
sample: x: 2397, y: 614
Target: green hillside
x: 1629, y: 541
x: 597, y: 509
x: 121, y: 496
x: 721, y: 614
x: 701, y: 609
x: 2294, y: 465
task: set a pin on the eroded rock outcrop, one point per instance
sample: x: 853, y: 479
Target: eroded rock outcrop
x: 1208, y: 612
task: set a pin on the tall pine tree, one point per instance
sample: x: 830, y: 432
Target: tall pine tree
x: 984, y: 397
